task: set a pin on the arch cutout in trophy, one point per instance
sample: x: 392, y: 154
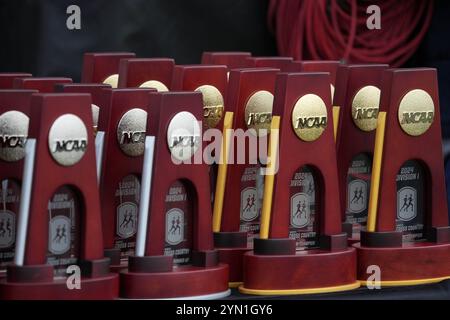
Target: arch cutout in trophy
x: 408, y: 233
x: 59, y: 224
x: 358, y: 91
x: 15, y: 113
x: 300, y: 232
x: 103, y: 67
x: 122, y: 124
x: 239, y: 188
x: 7, y: 79
x: 175, y: 256
x: 233, y: 60
x: 43, y: 85
x: 153, y: 73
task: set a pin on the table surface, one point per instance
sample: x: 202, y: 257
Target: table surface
x: 435, y: 291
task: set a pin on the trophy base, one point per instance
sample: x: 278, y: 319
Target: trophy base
x: 231, y: 247
x: 310, y: 271
x: 410, y: 264
x: 117, y: 263
x: 117, y: 268
x: 183, y: 282
x: 98, y: 288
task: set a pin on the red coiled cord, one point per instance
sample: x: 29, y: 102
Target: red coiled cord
x: 337, y: 29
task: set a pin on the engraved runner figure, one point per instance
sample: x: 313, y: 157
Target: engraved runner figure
x: 247, y: 206
x: 405, y: 203
x: 57, y: 237
x: 410, y: 203
x: 355, y: 196
x: 172, y: 228
x: 360, y: 195
x: 178, y: 227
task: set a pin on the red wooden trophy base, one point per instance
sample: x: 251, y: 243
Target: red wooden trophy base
x: 274, y: 268
x: 117, y: 264
x: 352, y: 238
x: 231, y: 247
x: 153, y: 277
x: 37, y: 283
x: 407, y: 264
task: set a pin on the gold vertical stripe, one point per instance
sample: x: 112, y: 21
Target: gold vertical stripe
x: 336, y: 110
x: 270, y: 178
x: 222, y: 172
x: 376, y: 172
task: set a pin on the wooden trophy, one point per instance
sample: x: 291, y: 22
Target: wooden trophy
x: 282, y: 63
x: 43, y: 85
x: 153, y: 73
x: 239, y: 189
x: 175, y: 256
x: 329, y: 66
x: 97, y: 92
x: 211, y: 81
x: 103, y: 67
x: 7, y: 78
x: 408, y: 233
x: 14, y: 120
x: 233, y: 60
x: 301, y: 248
x: 358, y: 98
x: 122, y: 122
x: 59, y: 225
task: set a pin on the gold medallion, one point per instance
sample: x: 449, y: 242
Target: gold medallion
x: 112, y: 80
x: 416, y: 112
x: 258, y: 112
x: 365, y: 107
x: 158, y: 85
x: 309, y: 117
x: 212, y: 105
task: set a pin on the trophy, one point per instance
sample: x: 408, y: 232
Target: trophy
x: 282, y: 63
x: 103, y: 67
x: 329, y: 66
x: 7, y: 78
x: 120, y: 146
x: 300, y: 233
x: 408, y: 233
x: 94, y: 89
x: 358, y: 97
x: 175, y: 256
x: 239, y: 188
x: 59, y: 230
x: 43, y: 85
x: 146, y: 73
x: 233, y: 60
x: 211, y: 81
x: 14, y: 120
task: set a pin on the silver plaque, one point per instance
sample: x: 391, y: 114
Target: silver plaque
x: 131, y: 132
x: 68, y: 139
x: 13, y: 135
x: 183, y: 135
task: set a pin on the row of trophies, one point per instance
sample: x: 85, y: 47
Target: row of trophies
x: 99, y: 176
